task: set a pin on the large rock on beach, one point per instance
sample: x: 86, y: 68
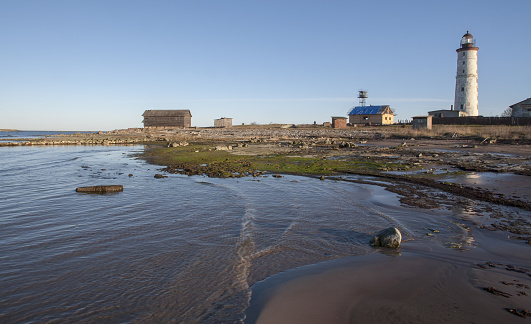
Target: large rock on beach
x: 389, y: 237
x: 101, y: 189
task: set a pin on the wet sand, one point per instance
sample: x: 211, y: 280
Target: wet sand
x: 421, y: 285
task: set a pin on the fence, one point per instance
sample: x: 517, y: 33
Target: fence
x: 511, y: 121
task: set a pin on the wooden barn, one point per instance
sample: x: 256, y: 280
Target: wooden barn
x: 373, y: 115
x: 167, y: 118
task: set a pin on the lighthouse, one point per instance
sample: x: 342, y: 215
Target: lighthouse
x: 466, y: 80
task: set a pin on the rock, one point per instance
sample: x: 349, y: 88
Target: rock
x: 175, y: 144
x: 389, y: 237
x: 160, y: 176
x: 101, y: 189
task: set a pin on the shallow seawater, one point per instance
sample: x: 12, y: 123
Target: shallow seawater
x: 509, y: 184
x: 8, y: 136
x: 179, y: 249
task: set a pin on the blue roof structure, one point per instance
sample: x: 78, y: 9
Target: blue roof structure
x: 367, y: 110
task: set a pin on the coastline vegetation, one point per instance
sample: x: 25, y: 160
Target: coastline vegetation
x: 203, y: 159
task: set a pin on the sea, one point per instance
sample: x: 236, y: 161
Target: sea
x: 14, y: 135
x: 181, y: 249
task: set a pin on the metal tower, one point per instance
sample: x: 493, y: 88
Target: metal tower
x: 362, y: 95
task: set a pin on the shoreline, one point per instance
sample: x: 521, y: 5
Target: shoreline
x: 259, y: 151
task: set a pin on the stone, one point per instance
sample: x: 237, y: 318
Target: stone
x: 389, y: 237
x: 160, y: 176
x: 101, y: 189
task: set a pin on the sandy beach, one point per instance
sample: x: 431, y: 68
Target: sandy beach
x: 417, y: 285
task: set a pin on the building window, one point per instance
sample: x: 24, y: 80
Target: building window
x: 462, y: 106
x: 462, y: 89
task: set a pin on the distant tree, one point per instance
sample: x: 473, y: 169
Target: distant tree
x: 507, y: 112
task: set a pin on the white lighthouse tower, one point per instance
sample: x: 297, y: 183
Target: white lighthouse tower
x: 466, y: 80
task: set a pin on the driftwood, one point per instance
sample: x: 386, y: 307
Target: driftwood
x: 101, y: 189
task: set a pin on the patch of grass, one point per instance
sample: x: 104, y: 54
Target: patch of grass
x: 295, y: 165
x: 202, y: 159
x: 188, y: 154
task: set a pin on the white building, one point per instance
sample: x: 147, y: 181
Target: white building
x: 466, y: 83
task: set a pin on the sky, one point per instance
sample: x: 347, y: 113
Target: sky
x: 97, y: 65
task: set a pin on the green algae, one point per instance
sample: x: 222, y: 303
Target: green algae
x: 205, y: 159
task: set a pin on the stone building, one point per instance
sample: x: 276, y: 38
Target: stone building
x: 167, y: 118
x: 373, y: 115
x: 522, y: 108
x: 339, y: 122
x: 223, y: 122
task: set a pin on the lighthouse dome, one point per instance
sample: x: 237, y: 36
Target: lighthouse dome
x: 467, y: 40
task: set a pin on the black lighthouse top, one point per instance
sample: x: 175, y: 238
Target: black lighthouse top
x: 467, y: 43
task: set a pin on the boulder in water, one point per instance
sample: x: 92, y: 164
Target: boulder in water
x: 101, y: 189
x: 389, y: 237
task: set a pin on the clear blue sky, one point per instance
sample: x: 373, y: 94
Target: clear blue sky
x: 97, y: 65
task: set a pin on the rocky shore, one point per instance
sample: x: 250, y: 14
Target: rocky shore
x: 321, y: 151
